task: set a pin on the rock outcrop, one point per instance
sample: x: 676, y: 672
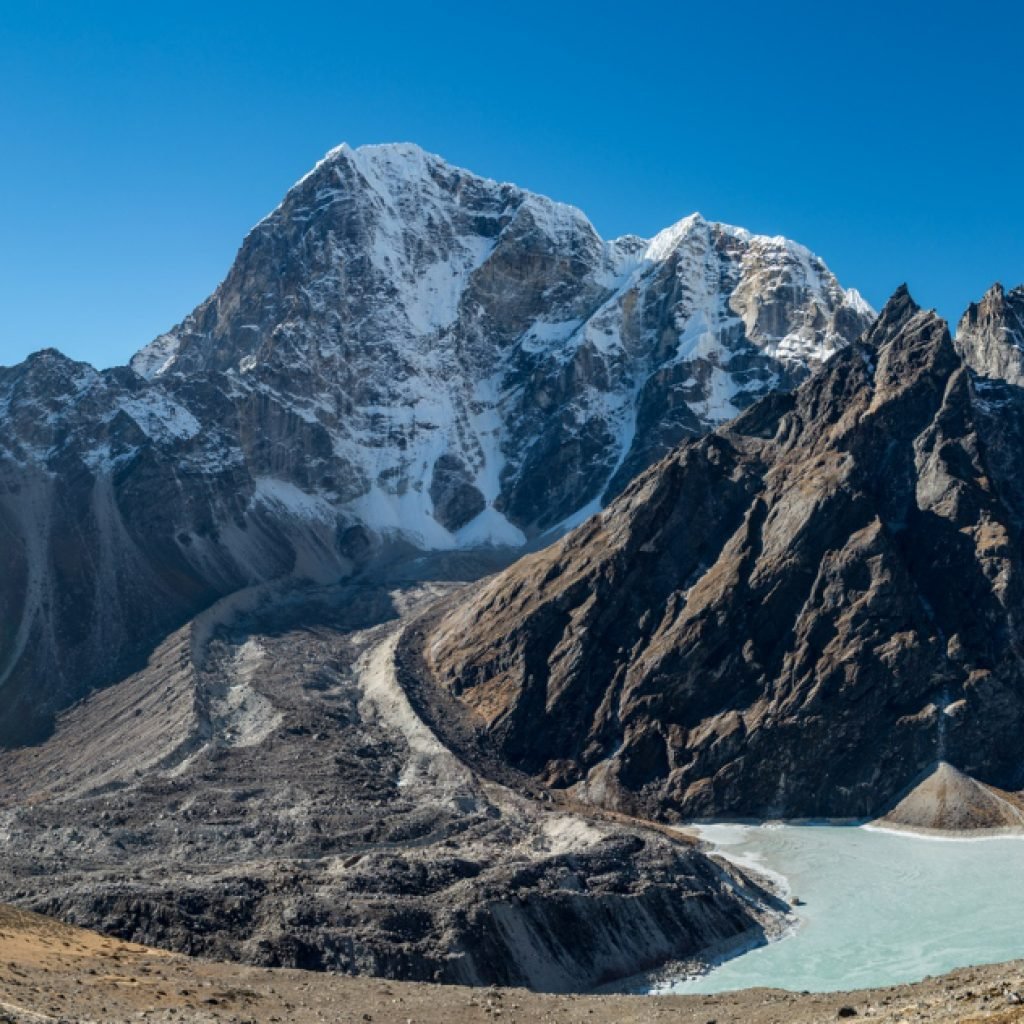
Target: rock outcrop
x: 794, y: 616
x: 990, y: 336
x: 403, y: 353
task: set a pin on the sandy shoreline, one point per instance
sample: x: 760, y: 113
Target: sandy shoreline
x: 945, y: 835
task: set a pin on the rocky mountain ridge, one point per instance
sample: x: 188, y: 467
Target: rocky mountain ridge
x: 405, y: 356
x: 795, y: 616
x: 990, y: 335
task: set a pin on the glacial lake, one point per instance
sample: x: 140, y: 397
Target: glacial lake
x: 881, y: 908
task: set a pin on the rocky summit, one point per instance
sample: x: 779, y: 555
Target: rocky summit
x: 798, y: 615
x: 990, y: 336
x: 404, y: 356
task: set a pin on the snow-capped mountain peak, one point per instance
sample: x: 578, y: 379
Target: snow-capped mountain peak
x: 402, y: 351
x: 662, y: 245
x: 520, y: 367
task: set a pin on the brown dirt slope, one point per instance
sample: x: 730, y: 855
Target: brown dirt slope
x: 950, y: 801
x: 53, y: 972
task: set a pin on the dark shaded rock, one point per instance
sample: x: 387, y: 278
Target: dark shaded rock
x: 455, y: 496
x: 794, y: 616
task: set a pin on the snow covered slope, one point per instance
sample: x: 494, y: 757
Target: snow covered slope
x: 479, y: 363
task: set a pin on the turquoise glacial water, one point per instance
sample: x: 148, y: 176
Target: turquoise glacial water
x: 881, y: 908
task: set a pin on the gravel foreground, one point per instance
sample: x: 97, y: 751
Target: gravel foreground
x: 53, y: 972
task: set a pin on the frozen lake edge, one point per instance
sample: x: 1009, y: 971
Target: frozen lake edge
x: 878, y: 905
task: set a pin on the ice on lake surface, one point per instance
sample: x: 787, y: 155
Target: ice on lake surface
x: 881, y: 908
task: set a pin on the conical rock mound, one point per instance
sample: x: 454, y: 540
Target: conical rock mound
x: 950, y: 801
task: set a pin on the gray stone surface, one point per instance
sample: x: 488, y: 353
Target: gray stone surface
x: 990, y: 335
x: 262, y: 791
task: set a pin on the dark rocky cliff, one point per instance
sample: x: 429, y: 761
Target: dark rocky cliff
x: 794, y: 616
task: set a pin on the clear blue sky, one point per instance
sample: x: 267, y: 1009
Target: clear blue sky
x: 141, y: 141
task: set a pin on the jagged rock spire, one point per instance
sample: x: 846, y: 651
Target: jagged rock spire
x: 990, y: 335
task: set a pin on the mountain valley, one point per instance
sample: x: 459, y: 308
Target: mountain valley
x: 263, y: 792
x: 395, y: 612
x: 403, y: 356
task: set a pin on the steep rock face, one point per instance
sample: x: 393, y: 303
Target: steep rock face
x: 122, y: 513
x: 402, y: 351
x: 793, y: 616
x: 990, y: 336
